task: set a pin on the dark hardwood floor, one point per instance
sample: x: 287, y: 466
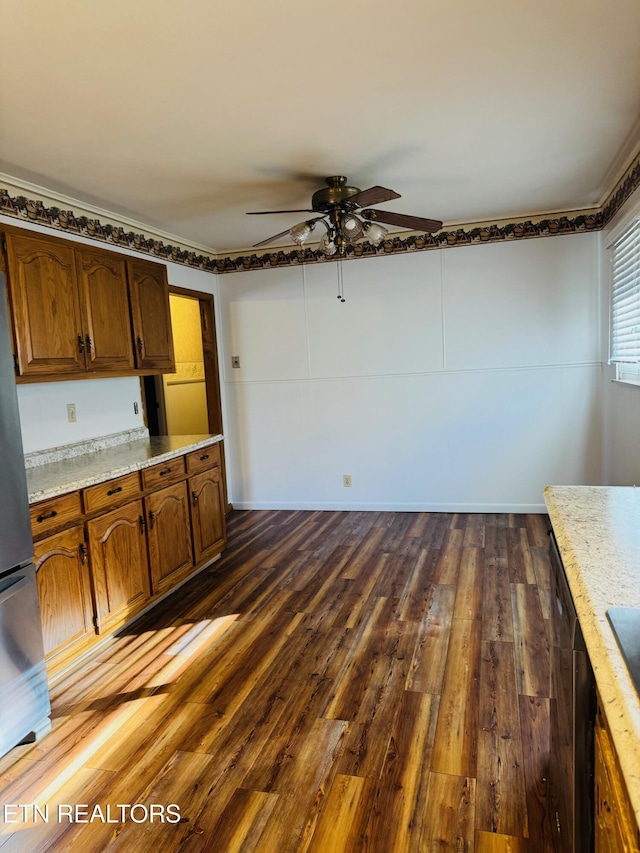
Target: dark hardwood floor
x: 338, y: 681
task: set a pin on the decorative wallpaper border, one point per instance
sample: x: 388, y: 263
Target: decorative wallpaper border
x: 420, y: 242
x: 31, y: 210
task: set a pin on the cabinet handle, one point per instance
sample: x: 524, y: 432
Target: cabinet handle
x: 143, y: 524
x: 80, y: 340
x: 194, y: 496
x: 47, y: 515
x: 152, y: 519
x: 89, y: 343
x: 140, y: 343
x: 204, y: 456
x: 114, y: 491
x: 164, y: 472
x: 82, y: 548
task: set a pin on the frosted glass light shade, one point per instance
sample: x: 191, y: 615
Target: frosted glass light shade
x: 375, y: 233
x: 351, y: 227
x: 327, y: 245
x: 300, y: 233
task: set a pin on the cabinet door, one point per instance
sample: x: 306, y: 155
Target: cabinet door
x: 64, y: 590
x: 170, y: 551
x: 149, y: 296
x: 615, y: 826
x: 45, y: 306
x: 105, y: 308
x: 207, y: 513
x: 119, y: 564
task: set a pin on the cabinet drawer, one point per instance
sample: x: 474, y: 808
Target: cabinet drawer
x: 54, y: 513
x: 206, y: 457
x: 111, y: 493
x: 164, y: 473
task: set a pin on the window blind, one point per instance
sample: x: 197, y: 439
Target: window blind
x: 625, y: 298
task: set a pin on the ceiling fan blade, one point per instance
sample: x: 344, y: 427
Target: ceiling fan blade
x: 264, y: 212
x: 415, y: 223
x: 374, y: 195
x: 271, y: 239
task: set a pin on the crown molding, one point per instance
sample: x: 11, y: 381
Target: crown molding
x: 622, y: 162
x: 28, y: 202
x: 80, y: 208
x: 103, y: 226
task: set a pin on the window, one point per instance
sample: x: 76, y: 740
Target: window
x: 625, y: 305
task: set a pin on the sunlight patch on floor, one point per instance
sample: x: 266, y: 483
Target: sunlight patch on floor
x: 181, y: 653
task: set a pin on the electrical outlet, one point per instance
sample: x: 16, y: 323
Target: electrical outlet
x: 235, y: 361
x: 71, y: 413
x: 346, y: 481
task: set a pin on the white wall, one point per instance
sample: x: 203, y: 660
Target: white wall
x: 104, y: 406
x: 621, y: 402
x: 464, y: 379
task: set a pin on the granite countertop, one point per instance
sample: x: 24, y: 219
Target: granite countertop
x: 598, y: 532
x: 95, y: 466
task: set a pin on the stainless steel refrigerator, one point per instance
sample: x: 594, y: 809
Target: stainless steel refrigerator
x: 24, y: 695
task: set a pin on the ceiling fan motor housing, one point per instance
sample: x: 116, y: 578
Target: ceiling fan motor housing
x: 335, y: 193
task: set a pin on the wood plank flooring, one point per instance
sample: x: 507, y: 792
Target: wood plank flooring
x: 338, y: 681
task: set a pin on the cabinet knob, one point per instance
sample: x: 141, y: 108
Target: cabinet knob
x: 194, y: 496
x: 164, y: 472
x: 204, y: 456
x: 140, y: 344
x: 89, y: 343
x: 114, y: 491
x: 82, y: 549
x: 152, y: 519
x: 143, y: 524
x: 80, y: 340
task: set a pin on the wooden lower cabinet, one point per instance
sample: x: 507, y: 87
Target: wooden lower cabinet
x: 616, y: 830
x: 64, y: 591
x: 207, y: 513
x: 169, y: 535
x: 119, y: 564
x: 108, y: 551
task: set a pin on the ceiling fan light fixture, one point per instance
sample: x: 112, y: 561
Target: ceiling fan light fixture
x: 351, y: 227
x: 327, y: 244
x: 301, y: 232
x: 375, y: 233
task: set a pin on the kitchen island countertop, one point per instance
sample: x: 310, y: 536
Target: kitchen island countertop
x: 67, y: 475
x: 598, y: 533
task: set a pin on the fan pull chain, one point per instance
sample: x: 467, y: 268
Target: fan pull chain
x: 340, y: 282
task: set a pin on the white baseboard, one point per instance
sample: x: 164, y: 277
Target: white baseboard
x: 393, y: 507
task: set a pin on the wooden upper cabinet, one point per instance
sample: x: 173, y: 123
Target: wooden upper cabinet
x: 149, y: 295
x: 84, y: 311
x: 102, y: 278
x: 46, y: 307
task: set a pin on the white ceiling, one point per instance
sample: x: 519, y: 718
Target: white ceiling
x: 184, y: 115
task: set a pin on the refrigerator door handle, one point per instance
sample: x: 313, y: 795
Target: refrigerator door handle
x: 11, y: 590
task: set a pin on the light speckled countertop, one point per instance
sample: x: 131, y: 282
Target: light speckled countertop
x: 598, y: 532
x: 78, y: 472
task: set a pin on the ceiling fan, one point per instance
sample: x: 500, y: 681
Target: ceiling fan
x: 337, y: 203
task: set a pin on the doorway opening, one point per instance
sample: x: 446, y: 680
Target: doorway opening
x: 187, y: 402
